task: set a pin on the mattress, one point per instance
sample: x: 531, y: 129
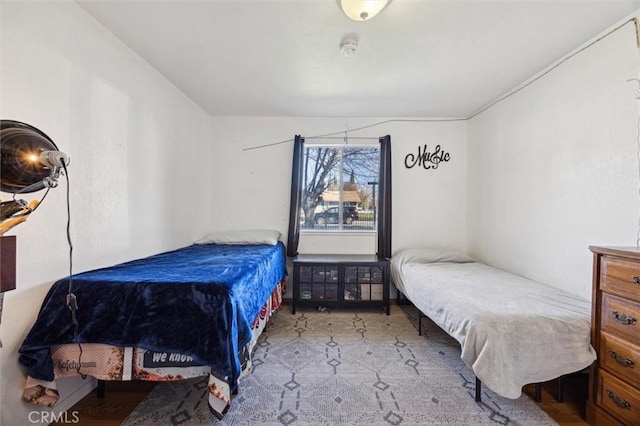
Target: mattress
x: 512, y: 330
x: 200, y: 302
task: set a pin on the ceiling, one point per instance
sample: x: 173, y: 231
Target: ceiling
x: 417, y: 58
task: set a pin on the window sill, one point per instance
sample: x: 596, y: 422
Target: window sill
x: 320, y: 232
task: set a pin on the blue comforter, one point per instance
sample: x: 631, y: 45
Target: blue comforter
x: 199, y: 300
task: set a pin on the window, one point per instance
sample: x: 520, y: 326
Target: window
x: 339, y: 187
x: 313, y: 172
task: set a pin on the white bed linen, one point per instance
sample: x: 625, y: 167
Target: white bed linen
x: 512, y: 330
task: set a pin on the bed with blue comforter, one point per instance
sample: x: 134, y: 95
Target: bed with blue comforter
x: 199, y: 301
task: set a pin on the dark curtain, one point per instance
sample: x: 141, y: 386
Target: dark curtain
x: 384, y: 198
x: 296, y: 197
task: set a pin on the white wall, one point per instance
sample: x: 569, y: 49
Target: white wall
x: 429, y: 204
x: 553, y: 169
x: 139, y: 171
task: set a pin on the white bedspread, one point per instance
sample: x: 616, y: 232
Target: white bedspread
x: 512, y: 331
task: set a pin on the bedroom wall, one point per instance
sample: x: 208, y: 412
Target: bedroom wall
x: 429, y: 205
x: 553, y: 169
x: 140, y: 163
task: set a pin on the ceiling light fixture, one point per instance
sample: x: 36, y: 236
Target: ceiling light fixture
x: 362, y: 10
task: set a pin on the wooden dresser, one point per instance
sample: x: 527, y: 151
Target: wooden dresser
x: 614, y: 382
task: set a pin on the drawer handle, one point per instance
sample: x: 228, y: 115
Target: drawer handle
x: 625, y: 362
x: 618, y: 401
x: 623, y: 318
x: 635, y: 279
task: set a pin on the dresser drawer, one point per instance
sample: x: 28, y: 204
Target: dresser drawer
x: 618, y: 398
x: 620, y: 357
x: 620, y: 316
x: 620, y: 276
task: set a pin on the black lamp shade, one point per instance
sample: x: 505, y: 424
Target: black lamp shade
x: 19, y: 142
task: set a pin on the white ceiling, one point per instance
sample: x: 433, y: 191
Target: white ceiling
x: 417, y: 58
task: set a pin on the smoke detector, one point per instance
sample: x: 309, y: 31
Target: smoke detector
x: 348, y: 47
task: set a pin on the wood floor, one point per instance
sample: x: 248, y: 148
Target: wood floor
x: 572, y: 411
x: 122, y: 397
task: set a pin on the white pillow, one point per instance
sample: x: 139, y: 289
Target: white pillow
x: 431, y: 255
x: 242, y: 237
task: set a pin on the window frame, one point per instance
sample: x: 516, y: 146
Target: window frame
x: 384, y: 221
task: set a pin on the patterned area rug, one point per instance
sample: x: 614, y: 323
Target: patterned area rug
x: 344, y: 367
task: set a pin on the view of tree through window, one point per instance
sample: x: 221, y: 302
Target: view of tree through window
x: 339, y: 188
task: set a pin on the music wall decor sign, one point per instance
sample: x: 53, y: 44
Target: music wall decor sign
x: 427, y: 159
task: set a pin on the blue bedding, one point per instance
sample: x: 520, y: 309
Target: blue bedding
x: 198, y: 300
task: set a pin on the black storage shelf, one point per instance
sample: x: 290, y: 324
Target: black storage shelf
x: 340, y: 280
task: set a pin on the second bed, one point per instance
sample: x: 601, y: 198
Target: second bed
x: 512, y: 331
